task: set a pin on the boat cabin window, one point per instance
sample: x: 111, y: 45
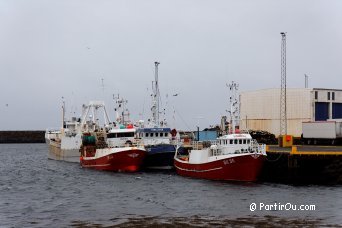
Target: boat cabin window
x: 120, y: 135
x: 235, y: 141
x: 248, y: 141
x: 244, y: 141
x: 146, y: 134
x: 126, y: 134
x: 240, y: 141
x: 231, y: 141
x: 156, y: 134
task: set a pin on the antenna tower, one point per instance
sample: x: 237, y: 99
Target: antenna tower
x: 283, y: 115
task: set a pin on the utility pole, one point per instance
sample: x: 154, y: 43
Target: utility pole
x: 306, y: 81
x: 283, y: 115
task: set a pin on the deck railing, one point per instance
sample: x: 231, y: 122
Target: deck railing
x: 258, y: 148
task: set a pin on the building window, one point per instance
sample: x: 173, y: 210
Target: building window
x: 316, y: 95
x: 328, y: 96
x: 333, y: 96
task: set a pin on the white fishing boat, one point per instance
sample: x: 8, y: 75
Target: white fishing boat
x: 64, y: 144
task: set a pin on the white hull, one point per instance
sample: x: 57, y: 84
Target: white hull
x: 56, y: 153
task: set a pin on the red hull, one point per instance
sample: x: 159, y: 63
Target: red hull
x: 239, y: 168
x: 124, y: 161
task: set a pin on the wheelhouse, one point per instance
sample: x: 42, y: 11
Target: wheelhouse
x: 120, y: 137
x: 146, y: 133
x: 155, y: 136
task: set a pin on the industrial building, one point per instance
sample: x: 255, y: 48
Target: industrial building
x: 260, y: 109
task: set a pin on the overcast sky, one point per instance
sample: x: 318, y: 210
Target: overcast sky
x: 51, y: 49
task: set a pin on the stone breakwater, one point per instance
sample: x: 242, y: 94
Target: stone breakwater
x: 22, y: 137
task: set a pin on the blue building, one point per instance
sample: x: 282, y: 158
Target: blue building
x: 206, y: 135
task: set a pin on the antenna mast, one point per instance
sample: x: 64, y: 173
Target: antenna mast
x: 155, y: 99
x: 63, y: 115
x: 234, y: 106
x: 122, y: 113
x: 283, y: 115
x: 102, y: 85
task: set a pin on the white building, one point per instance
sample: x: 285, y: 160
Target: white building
x: 260, y: 109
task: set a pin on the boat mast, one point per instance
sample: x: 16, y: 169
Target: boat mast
x: 122, y: 113
x: 234, y: 106
x: 63, y: 115
x: 155, y: 98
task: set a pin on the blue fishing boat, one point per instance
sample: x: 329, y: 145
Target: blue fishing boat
x: 159, y: 140
x: 159, y: 146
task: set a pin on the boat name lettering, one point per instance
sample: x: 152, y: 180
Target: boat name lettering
x: 255, y: 156
x: 228, y: 161
x: 134, y: 155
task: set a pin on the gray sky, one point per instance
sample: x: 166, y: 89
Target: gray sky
x: 50, y: 49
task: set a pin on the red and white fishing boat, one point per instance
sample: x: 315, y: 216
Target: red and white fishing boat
x: 115, y: 149
x: 233, y: 157
x: 99, y: 152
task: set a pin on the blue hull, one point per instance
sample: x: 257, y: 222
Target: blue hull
x: 159, y: 156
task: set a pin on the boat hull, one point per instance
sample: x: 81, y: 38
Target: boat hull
x: 238, y: 168
x: 159, y: 157
x: 115, y: 159
x: 68, y: 155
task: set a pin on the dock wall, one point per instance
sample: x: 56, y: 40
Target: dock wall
x: 22, y: 137
x: 303, y: 168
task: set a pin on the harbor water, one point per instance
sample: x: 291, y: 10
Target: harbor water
x: 38, y: 192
